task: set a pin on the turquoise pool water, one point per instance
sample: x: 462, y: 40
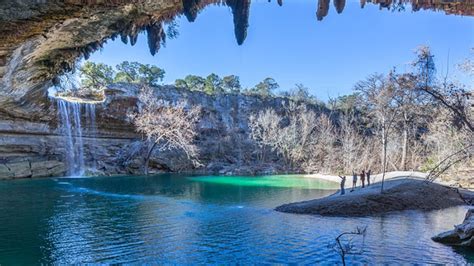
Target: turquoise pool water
x: 190, y: 219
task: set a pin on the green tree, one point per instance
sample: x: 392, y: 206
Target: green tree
x: 231, y: 84
x: 150, y: 74
x: 181, y: 83
x: 134, y: 72
x: 127, y: 72
x: 265, y: 88
x: 191, y: 82
x: 300, y: 93
x: 213, y: 84
x: 96, y: 75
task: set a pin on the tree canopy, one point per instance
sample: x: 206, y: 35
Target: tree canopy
x: 134, y: 72
x: 98, y: 75
x: 265, y: 88
x: 212, y: 84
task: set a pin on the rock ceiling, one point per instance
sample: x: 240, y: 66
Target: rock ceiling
x: 43, y: 38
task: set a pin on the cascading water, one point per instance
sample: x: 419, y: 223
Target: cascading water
x: 70, y: 114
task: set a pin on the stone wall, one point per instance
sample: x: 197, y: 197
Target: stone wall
x: 38, y: 149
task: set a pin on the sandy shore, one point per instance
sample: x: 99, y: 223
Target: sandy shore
x: 402, y: 191
x: 373, y: 178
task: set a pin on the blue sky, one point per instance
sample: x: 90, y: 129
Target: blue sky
x: 290, y: 45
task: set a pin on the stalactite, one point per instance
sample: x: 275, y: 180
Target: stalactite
x: 124, y: 38
x: 191, y: 9
x: 323, y: 9
x: 241, y: 12
x: 156, y: 35
x: 279, y: 2
x: 133, y: 37
x: 339, y: 5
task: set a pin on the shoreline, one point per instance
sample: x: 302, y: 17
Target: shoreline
x: 401, y: 192
x: 374, y: 178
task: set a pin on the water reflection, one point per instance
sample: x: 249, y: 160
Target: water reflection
x: 174, y: 219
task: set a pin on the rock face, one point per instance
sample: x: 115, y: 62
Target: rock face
x: 43, y: 39
x: 223, y: 140
x: 55, y: 34
x: 462, y: 235
x: 35, y: 149
x: 40, y: 40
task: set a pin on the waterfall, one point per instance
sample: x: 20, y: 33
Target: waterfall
x: 70, y: 126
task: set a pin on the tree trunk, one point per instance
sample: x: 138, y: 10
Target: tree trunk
x: 403, y: 163
x: 384, y: 162
x: 384, y: 154
x: 342, y: 254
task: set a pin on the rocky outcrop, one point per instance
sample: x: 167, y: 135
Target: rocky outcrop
x: 43, y: 39
x: 28, y: 169
x: 465, y: 8
x: 462, y: 235
x: 34, y: 149
x: 55, y: 34
x: 223, y: 140
x: 399, y: 195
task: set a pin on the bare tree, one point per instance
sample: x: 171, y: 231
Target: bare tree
x: 378, y: 93
x: 300, y: 136
x: 454, y: 98
x: 447, y: 144
x: 414, y: 111
x: 166, y: 125
x: 323, y: 150
x: 468, y: 65
x: 355, y: 148
x: 264, y: 129
x: 345, y: 244
x: 450, y: 95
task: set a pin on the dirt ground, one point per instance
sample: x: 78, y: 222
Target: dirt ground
x: 400, y: 193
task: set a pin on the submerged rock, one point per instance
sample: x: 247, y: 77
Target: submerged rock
x: 462, y: 235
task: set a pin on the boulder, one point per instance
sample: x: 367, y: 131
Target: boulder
x: 20, y: 170
x: 461, y: 235
x: 5, y: 173
x: 48, y: 168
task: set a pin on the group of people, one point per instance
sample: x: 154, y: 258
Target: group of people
x: 364, y: 175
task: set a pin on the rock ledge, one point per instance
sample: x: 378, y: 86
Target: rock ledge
x: 462, y: 235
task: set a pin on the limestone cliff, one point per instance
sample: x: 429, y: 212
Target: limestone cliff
x: 55, y: 34
x: 37, y: 149
x: 43, y: 39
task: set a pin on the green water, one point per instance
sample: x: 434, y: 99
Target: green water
x: 283, y: 181
x: 183, y: 219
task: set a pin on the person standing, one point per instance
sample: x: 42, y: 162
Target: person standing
x: 354, y: 180
x: 343, y: 183
x: 368, y: 177
x: 362, y: 178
